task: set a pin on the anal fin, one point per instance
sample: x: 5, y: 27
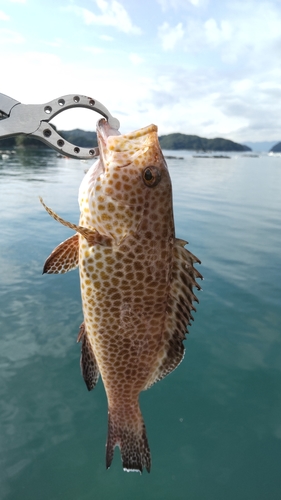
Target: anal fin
x: 88, y: 363
x: 64, y: 257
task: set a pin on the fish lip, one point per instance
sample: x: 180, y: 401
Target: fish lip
x: 100, y: 133
x: 104, y: 130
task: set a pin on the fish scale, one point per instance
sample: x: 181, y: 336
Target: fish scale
x: 136, y: 281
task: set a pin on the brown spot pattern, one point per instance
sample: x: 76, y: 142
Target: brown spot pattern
x: 64, y: 257
x: 89, y: 367
x: 137, y: 282
x: 132, y: 307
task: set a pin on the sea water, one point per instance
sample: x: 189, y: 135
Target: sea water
x: 214, y: 424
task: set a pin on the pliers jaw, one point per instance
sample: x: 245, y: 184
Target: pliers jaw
x: 6, y: 105
x: 33, y: 119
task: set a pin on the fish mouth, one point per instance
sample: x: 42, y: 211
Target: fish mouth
x: 104, y: 131
x: 123, y: 149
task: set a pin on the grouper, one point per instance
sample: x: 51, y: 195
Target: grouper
x: 136, y: 278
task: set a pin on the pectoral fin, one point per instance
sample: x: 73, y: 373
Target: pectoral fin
x: 88, y: 363
x: 92, y: 236
x: 64, y: 257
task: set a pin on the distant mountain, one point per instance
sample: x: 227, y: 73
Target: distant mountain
x: 276, y: 148
x: 176, y: 141
x: 77, y: 136
x: 8, y: 142
x: 260, y: 146
x: 22, y: 141
x: 80, y: 137
x: 170, y: 141
x: 194, y: 142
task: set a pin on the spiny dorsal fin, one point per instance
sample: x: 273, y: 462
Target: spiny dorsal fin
x: 64, y: 258
x: 179, y: 307
x: 88, y: 363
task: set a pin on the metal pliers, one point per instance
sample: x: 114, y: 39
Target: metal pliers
x: 32, y: 119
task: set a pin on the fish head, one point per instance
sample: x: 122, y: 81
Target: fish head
x: 130, y: 181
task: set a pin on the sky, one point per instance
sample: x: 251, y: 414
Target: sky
x: 205, y: 67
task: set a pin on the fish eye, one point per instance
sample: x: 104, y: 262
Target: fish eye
x: 151, y: 176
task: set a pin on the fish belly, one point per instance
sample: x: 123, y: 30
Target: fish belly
x: 124, y: 294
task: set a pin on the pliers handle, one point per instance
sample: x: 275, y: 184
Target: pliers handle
x: 32, y: 119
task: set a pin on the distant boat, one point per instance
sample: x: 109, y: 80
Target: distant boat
x: 211, y: 156
x: 274, y: 154
x: 174, y: 157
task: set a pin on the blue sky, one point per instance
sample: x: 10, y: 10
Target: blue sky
x: 205, y: 67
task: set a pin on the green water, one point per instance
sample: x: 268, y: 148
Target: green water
x: 214, y: 425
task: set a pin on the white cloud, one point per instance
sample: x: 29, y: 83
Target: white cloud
x: 108, y: 86
x: 170, y: 36
x: 9, y: 36
x: 180, y: 4
x: 94, y: 50
x: 107, y: 38
x: 195, y: 111
x: 218, y: 75
x: 3, y: 16
x: 112, y: 14
x: 217, y: 33
x: 136, y: 59
x: 57, y: 43
x: 246, y: 31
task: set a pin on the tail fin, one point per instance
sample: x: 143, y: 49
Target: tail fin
x: 128, y: 432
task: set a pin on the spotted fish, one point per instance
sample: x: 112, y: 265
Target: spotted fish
x: 136, y: 280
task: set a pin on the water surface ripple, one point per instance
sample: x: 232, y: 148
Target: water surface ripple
x: 214, y: 425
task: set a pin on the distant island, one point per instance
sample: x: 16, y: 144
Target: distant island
x: 196, y: 143
x: 77, y: 136
x: 170, y: 141
x: 276, y: 148
x: 174, y: 141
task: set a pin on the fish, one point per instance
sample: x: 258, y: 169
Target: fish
x: 137, y: 281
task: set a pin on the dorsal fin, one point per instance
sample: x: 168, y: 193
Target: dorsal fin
x: 179, y: 307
